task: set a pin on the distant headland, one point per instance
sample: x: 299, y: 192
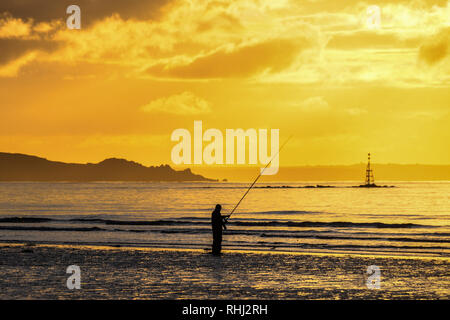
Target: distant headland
x: 21, y: 167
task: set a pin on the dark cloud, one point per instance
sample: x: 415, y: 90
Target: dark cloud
x: 434, y: 53
x: 436, y: 48
x: 272, y: 56
x: 11, y: 49
x: 91, y: 10
x: 50, y: 10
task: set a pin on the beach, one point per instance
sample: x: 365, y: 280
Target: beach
x: 135, y: 240
x: 38, y: 271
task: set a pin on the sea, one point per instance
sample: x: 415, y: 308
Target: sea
x: 410, y: 219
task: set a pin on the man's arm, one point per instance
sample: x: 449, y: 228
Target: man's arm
x: 224, y: 221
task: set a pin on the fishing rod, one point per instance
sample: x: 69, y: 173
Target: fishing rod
x: 259, y: 175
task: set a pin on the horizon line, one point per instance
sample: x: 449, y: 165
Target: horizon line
x: 222, y: 166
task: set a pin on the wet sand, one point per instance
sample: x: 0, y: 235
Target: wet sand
x: 39, y: 272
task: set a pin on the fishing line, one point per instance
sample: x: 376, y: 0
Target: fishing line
x: 259, y: 175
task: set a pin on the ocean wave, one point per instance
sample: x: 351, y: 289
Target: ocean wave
x: 336, y: 224
x: 283, y: 212
x: 255, y: 233
x: 25, y: 220
x: 272, y: 223
x: 26, y: 228
x: 324, y: 237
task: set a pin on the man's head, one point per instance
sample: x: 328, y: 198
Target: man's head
x: 218, y: 207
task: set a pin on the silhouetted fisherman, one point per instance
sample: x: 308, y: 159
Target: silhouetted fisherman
x: 217, y: 222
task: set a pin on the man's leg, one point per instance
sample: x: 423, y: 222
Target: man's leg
x: 216, y: 248
x: 217, y: 240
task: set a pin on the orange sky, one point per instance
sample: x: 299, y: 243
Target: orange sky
x: 137, y: 70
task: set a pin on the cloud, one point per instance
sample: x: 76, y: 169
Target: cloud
x: 91, y: 11
x: 21, y: 41
x: 25, y: 29
x: 185, y: 103
x: 188, y: 40
x: 370, y: 39
x: 314, y: 104
x: 12, y: 69
x: 270, y: 56
x: 12, y: 49
x: 39, y: 26
x: 262, y: 40
x: 14, y: 28
x: 437, y: 48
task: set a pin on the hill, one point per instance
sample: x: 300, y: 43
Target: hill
x: 21, y: 167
